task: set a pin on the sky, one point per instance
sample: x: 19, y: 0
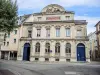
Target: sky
x: 88, y: 10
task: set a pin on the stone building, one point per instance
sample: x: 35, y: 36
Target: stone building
x: 9, y: 46
x: 92, y: 45
x: 98, y: 38
x: 53, y: 35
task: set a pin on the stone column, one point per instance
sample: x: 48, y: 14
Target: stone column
x: 42, y: 51
x: 62, y: 51
x: 73, y: 52
x: 52, y: 48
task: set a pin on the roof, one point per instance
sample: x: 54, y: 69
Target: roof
x: 23, y: 18
x: 97, y: 23
x: 92, y: 33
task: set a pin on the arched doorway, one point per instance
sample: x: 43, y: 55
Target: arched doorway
x: 81, y: 52
x: 26, y: 52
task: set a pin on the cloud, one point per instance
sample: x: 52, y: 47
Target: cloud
x: 33, y: 4
x: 92, y: 21
x: 69, y: 3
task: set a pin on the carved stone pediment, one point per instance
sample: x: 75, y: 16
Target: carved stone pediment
x: 38, y: 27
x: 57, y: 26
x: 79, y: 28
x: 47, y: 27
x: 53, y: 8
x: 67, y: 26
x: 29, y: 28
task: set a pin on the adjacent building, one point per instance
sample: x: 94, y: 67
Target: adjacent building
x: 92, y: 45
x: 98, y: 37
x: 51, y: 35
x: 9, y: 47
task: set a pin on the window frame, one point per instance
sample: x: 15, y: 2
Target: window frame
x: 57, y: 32
x: 38, y: 32
x: 68, y: 32
x: 15, y: 31
x: 14, y: 40
x: 48, y: 32
x: 29, y: 34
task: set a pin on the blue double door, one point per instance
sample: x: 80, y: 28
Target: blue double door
x: 81, y: 52
x: 26, y: 52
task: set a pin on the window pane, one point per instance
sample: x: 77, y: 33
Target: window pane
x: 57, y: 32
x: 8, y: 34
x: 38, y: 32
x: 29, y: 33
x: 14, y: 40
x: 48, y: 32
x: 7, y: 43
x: 15, y: 31
x: 68, y: 48
x: 67, y: 32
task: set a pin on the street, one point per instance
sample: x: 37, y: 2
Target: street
x: 45, y: 68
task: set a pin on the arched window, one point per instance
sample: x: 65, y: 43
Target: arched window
x: 57, y: 48
x: 68, y: 48
x: 37, y: 47
x: 47, y: 48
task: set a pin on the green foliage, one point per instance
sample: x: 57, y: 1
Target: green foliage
x: 8, y: 15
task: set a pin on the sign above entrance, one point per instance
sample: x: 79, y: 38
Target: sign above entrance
x: 53, y: 18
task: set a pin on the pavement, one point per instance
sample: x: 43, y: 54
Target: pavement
x: 48, y: 68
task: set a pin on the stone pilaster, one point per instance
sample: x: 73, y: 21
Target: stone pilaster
x: 32, y: 50
x: 52, y: 48
x: 73, y: 52
x: 42, y: 51
x: 62, y: 51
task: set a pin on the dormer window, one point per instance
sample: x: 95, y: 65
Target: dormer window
x: 67, y: 17
x: 39, y: 18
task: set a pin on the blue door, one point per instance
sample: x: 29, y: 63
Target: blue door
x: 81, y: 52
x: 26, y: 52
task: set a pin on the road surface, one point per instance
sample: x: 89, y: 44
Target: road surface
x: 40, y: 68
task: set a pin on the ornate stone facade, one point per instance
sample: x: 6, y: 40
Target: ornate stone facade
x: 53, y: 35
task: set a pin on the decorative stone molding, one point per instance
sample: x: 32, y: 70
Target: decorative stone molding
x: 62, y: 40
x: 57, y: 26
x: 53, y: 8
x: 47, y: 27
x: 38, y: 27
x: 67, y: 26
x: 29, y: 28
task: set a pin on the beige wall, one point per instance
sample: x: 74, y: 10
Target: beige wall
x: 12, y: 46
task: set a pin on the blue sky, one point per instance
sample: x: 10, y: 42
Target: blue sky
x: 84, y: 9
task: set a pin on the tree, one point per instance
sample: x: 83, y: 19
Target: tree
x: 8, y: 15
